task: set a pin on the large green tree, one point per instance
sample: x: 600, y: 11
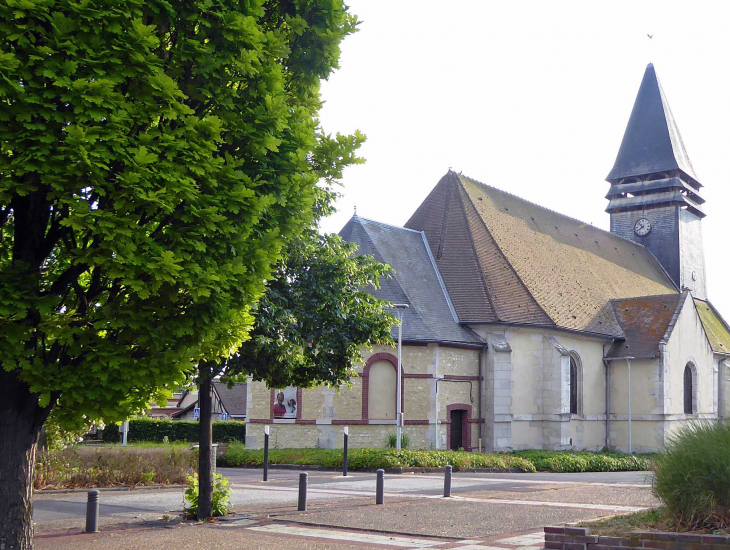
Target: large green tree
x: 154, y: 155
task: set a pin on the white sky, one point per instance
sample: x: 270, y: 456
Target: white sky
x: 530, y: 97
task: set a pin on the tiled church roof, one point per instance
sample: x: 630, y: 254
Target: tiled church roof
x: 716, y: 329
x: 646, y: 320
x: 417, y: 282
x: 507, y: 260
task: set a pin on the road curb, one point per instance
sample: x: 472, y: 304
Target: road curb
x: 106, y: 489
x: 317, y: 468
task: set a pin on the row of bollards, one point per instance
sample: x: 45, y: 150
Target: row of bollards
x: 92, y: 503
x: 379, y: 487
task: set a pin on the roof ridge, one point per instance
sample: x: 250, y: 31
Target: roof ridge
x: 553, y: 211
x: 386, y: 224
x: 643, y: 297
x: 675, y: 317
x: 506, y: 259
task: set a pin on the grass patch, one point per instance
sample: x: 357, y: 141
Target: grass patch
x: 623, y: 525
x: 582, y: 461
x: 238, y: 455
x: 658, y: 519
x: 114, y: 466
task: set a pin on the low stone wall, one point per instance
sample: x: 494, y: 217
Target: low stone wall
x: 580, y: 538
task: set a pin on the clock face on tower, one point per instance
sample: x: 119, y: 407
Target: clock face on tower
x: 642, y: 227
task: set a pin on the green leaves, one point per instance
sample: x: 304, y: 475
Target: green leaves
x: 315, y: 316
x: 154, y: 158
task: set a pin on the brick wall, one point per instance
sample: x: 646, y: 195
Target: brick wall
x: 580, y: 538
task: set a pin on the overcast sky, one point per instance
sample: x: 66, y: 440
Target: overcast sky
x: 530, y: 97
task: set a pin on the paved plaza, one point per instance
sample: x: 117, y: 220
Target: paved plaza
x: 498, y: 511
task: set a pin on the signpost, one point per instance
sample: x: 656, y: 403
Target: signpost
x: 196, y: 413
x: 123, y: 429
x: 224, y: 416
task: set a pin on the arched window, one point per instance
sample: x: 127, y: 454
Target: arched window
x: 381, y: 393
x: 688, y: 390
x: 574, y: 381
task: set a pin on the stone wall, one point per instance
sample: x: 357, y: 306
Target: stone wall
x: 580, y: 538
x: 435, y: 379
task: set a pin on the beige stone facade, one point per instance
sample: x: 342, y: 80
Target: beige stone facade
x: 525, y: 394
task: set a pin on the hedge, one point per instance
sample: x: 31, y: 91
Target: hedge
x: 238, y: 455
x: 577, y: 461
x: 147, y: 429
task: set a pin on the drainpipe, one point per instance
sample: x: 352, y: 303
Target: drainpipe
x: 628, y: 363
x: 482, y: 352
x: 608, y: 402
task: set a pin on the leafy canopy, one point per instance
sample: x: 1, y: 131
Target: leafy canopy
x: 315, y: 316
x: 154, y: 155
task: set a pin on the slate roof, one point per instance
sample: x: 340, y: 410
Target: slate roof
x: 717, y: 330
x: 233, y: 399
x: 506, y: 260
x: 646, y: 321
x: 652, y: 142
x: 430, y: 316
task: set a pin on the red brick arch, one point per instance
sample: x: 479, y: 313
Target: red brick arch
x: 374, y: 358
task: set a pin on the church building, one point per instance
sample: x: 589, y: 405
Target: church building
x: 528, y: 329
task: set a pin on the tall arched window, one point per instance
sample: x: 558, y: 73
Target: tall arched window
x: 381, y: 393
x: 573, y: 386
x: 688, y: 390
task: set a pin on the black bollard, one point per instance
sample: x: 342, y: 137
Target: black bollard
x: 344, y: 456
x: 379, y: 487
x: 266, y: 453
x: 92, y: 512
x: 447, y: 481
x: 302, y: 506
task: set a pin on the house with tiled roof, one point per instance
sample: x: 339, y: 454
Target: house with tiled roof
x: 526, y: 328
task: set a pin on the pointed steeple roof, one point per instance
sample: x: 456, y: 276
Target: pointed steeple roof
x: 652, y: 142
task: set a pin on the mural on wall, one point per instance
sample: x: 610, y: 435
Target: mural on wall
x: 285, y: 404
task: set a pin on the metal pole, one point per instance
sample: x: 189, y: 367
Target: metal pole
x: 266, y: 453
x: 379, y: 486
x: 628, y: 362
x: 302, y: 506
x: 92, y: 512
x: 447, y: 481
x: 344, y: 456
x: 399, y: 389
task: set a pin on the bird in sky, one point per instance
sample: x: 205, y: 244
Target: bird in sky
x: 650, y: 36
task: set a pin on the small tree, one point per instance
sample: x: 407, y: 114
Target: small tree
x: 309, y: 327
x: 154, y: 156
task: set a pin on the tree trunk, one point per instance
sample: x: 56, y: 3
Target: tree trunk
x: 205, y: 464
x: 21, y: 420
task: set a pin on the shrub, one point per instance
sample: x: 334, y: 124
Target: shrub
x: 577, y: 461
x: 392, y: 441
x: 148, y: 429
x: 692, y: 477
x: 221, y: 495
x: 237, y: 455
x: 113, y: 466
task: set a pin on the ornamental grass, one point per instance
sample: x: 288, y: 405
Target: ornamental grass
x: 115, y: 466
x: 692, y: 477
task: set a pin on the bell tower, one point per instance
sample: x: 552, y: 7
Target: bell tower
x: 654, y: 197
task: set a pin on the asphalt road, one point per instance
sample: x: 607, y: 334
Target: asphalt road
x: 486, y: 509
